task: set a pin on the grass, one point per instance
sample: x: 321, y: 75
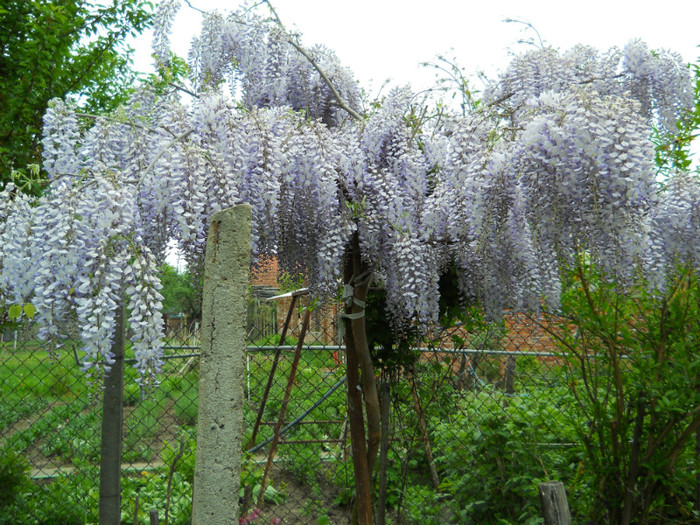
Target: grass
x: 64, y: 411
x: 51, y: 410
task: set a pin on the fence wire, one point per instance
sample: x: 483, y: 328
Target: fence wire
x: 472, y: 422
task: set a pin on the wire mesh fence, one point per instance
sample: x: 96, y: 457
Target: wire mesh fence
x: 472, y: 422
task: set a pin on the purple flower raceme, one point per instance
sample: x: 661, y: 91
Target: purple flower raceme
x: 674, y: 229
x: 162, y: 26
x: 657, y: 79
x: 555, y: 162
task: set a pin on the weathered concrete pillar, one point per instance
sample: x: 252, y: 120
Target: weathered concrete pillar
x: 112, y: 423
x: 222, y: 368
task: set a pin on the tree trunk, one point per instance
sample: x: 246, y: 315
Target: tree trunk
x: 362, y: 385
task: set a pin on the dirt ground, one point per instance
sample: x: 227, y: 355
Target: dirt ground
x: 300, y: 505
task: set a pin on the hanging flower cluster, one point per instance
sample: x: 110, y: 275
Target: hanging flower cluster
x: 254, y: 55
x: 674, y: 229
x: 555, y: 161
x: 658, y: 80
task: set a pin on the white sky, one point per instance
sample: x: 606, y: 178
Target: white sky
x: 381, y: 39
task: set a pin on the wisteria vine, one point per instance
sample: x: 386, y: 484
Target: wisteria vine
x: 556, y: 160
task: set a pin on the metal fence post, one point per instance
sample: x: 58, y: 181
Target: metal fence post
x: 222, y: 368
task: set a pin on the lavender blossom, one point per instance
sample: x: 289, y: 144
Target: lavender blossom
x: 162, y: 25
x: 556, y: 162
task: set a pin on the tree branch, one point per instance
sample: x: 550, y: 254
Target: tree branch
x: 341, y: 103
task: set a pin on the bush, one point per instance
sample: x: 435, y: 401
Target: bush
x: 21, y: 501
x: 633, y: 367
x: 490, y: 467
x: 14, y: 480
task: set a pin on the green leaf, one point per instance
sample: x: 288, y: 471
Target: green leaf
x: 14, y: 311
x: 29, y: 310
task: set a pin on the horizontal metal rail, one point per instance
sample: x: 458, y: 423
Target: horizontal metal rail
x: 466, y: 351
x: 336, y: 348
x: 300, y: 441
x: 305, y: 422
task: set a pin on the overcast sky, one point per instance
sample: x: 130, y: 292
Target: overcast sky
x: 389, y: 39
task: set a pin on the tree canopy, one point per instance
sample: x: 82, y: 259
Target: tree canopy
x: 60, y: 48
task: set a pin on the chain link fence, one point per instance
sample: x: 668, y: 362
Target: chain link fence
x: 472, y: 422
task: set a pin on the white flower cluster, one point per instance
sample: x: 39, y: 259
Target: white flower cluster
x: 674, y: 229
x: 164, y: 17
x: 253, y: 54
x: 72, y: 252
x: 658, y: 80
x: 556, y: 162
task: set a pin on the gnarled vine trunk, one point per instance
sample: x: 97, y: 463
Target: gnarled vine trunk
x: 362, y: 384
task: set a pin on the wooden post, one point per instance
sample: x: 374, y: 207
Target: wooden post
x: 383, y: 452
x: 509, y: 379
x: 222, y: 368
x: 271, y: 375
x: 283, y: 408
x: 555, y: 507
x: 112, y: 422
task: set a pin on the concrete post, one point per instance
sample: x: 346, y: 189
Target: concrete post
x: 112, y: 421
x: 222, y: 368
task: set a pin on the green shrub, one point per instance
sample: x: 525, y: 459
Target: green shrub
x: 633, y: 367
x: 14, y: 479
x: 185, y: 463
x: 151, y: 488
x: 492, y: 454
x: 421, y: 505
x: 66, y: 500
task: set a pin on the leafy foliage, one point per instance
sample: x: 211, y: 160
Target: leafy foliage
x: 60, y: 48
x: 179, y: 291
x: 632, y: 366
x: 513, y: 441
x: 14, y: 479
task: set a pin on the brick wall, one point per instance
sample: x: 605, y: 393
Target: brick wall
x: 265, y: 272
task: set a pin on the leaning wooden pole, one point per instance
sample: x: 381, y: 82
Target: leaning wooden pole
x: 283, y: 409
x: 222, y: 368
x: 112, y: 422
x: 271, y: 375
